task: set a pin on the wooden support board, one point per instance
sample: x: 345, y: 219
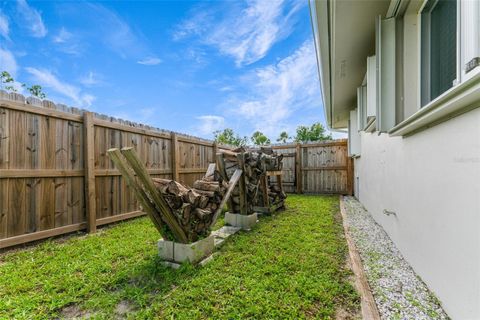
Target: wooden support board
x: 241, y: 185
x: 269, y: 208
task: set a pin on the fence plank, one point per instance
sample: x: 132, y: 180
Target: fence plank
x: 90, y: 172
x: 175, y: 154
x: 4, y: 138
x: 298, y: 169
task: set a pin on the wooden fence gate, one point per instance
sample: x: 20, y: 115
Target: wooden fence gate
x: 317, y: 167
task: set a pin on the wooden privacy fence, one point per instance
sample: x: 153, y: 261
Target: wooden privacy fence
x: 322, y: 167
x: 56, y: 177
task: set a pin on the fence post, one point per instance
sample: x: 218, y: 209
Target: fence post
x: 298, y: 169
x: 175, y: 159
x: 215, y: 150
x: 89, y: 141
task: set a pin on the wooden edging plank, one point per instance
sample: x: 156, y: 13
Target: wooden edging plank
x: 368, y: 305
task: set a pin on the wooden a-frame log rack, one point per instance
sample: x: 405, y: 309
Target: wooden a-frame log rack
x: 267, y: 207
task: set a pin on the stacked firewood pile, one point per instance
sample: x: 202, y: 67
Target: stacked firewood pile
x: 255, y: 164
x: 195, y: 207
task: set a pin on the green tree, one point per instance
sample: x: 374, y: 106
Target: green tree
x: 36, y: 91
x: 7, y: 81
x: 228, y: 136
x: 259, y: 139
x: 316, y: 132
x: 283, y: 137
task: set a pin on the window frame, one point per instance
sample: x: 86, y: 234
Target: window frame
x: 424, y: 55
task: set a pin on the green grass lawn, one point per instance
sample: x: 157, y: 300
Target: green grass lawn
x: 292, y: 265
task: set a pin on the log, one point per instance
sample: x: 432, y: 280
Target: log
x: 206, y: 185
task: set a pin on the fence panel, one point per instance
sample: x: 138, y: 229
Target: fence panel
x: 324, y: 168
x: 43, y: 167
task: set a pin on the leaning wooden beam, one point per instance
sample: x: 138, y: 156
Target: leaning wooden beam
x: 210, y: 174
x: 129, y: 177
x: 231, y: 185
x: 157, y: 198
x: 223, y: 173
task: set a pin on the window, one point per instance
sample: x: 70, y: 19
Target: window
x: 439, y: 48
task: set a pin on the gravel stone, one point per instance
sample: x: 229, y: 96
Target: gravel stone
x: 398, y: 291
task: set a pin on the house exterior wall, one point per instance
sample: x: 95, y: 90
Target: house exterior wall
x: 431, y: 180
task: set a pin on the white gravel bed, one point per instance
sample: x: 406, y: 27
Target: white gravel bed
x: 398, y: 291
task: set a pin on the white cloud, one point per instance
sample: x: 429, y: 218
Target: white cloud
x: 246, y: 36
x: 91, y: 79
x: 8, y: 62
x: 47, y: 79
x: 32, y: 18
x: 209, y: 123
x: 115, y: 32
x: 150, y: 61
x: 62, y: 36
x: 68, y: 43
x: 273, y: 94
x: 4, y: 26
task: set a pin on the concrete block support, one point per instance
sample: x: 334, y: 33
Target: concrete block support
x: 246, y: 222
x: 191, y: 252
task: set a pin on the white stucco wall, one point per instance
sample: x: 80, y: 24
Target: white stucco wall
x: 432, y: 181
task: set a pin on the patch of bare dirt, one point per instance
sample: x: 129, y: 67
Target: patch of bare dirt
x: 73, y: 311
x: 123, y: 309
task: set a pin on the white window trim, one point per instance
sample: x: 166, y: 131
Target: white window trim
x: 462, y: 97
x: 455, y: 101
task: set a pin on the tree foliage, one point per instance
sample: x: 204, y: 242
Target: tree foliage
x: 259, y: 139
x: 36, y: 91
x: 283, y: 137
x: 316, y: 132
x: 7, y: 82
x: 228, y: 136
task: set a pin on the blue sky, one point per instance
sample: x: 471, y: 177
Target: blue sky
x: 187, y: 66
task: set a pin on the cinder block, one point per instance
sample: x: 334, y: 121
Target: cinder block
x: 246, y: 222
x: 165, y: 249
x: 190, y: 252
